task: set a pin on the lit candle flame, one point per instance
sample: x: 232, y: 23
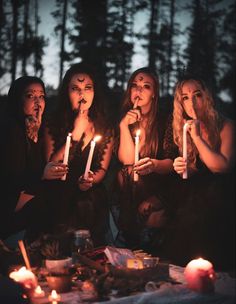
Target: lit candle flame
x: 138, y: 132
x: 38, y: 292
x: 54, y: 296
x: 97, y: 138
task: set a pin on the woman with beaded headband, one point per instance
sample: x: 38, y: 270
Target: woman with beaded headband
x: 81, y: 113
x: 204, y: 223
x: 141, y: 199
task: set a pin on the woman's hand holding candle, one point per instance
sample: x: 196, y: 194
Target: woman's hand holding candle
x: 55, y: 170
x: 180, y: 165
x: 85, y: 184
x: 144, y: 166
x: 200, y: 275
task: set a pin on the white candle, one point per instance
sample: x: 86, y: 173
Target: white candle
x: 200, y: 275
x: 185, y: 154
x: 136, y: 152
x: 90, y: 156
x: 66, y: 154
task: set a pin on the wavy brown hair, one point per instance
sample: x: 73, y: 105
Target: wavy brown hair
x: 210, y: 117
x: 151, y: 143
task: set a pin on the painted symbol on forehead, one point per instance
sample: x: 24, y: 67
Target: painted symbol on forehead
x: 81, y: 79
x: 140, y: 78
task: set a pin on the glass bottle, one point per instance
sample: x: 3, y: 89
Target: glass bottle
x: 82, y: 242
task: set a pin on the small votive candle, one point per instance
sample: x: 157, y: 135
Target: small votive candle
x: 54, y: 297
x: 38, y: 292
x: 200, y: 275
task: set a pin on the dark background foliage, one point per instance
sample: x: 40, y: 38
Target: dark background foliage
x: 104, y: 34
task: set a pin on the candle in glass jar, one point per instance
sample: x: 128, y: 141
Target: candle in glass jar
x: 185, y: 146
x: 66, y: 154
x: 200, y: 275
x: 90, y: 156
x: 136, y: 152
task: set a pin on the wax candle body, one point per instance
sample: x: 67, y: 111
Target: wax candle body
x: 136, y: 153
x: 185, y: 154
x: 90, y: 156
x: 66, y: 154
x: 200, y: 275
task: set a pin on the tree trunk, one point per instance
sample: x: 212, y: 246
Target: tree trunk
x: 63, y: 33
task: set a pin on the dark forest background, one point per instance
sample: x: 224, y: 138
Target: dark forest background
x: 103, y: 34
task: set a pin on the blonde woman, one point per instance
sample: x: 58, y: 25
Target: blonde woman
x: 204, y: 223
x: 210, y: 135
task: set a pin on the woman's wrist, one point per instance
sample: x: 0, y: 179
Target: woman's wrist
x: 123, y: 125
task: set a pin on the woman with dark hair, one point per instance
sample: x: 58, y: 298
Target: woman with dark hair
x: 21, y: 156
x: 142, y: 200
x: 205, y: 222
x: 81, y: 113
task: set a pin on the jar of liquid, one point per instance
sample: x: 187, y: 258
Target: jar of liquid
x: 82, y: 242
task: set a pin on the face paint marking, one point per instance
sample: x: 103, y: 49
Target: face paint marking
x: 81, y: 79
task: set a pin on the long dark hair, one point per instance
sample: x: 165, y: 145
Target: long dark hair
x: 14, y: 105
x: 65, y: 113
x: 151, y: 144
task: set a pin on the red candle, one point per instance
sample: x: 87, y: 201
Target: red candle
x: 200, y: 275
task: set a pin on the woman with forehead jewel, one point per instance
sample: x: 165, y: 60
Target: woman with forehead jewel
x: 142, y: 199
x: 23, y: 167
x: 81, y: 112
x: 205, y: 221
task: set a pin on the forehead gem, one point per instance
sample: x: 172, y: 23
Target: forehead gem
x: 141, y: 78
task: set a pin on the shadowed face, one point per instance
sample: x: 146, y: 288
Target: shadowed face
x: 192, y: 99
x: 34, y: 100
x: 81, y: 92
x: 142, y: 91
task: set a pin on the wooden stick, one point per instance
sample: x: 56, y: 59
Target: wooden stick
x: 24, y: 254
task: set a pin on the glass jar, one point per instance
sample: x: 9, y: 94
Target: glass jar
x: 82, y: 242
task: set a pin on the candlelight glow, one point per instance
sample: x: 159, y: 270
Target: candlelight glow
x: 200, y: 275
x: 138, y: 132
x: 54, y: 296
x: 38, y: 292
x: 97, y: 138
x: 24, y: 276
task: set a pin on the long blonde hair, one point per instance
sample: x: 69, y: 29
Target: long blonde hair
x: 210, y: 117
